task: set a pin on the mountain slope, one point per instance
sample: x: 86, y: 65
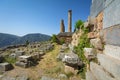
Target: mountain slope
x: 32, y: 38
x: 8, y: 39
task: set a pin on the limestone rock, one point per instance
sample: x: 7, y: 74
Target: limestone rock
x: 111, y: 35
x: 72, y: 59
x: 69, y: 69
x: 64, y: 46
x: 89, y: 53
x: 48, y: 78
x: 60, y: 56
x: 92, y: 35
x: 14, y: 78
x: 13, y: 55
x: 90, y: 76
x: 112, y: 50
x: 17, y: 54
x: 110, y: 64
x: 5, y: 66
x: 1, y: 58
x: 86, y: 24
x: 21, y: 64
x: 99, y: 72
x: 25, y: 58
x: 62, y: 76
x: 22, y: 78
x: 96, y: 43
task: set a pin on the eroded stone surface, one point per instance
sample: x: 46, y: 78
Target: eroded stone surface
x: 97, y: 43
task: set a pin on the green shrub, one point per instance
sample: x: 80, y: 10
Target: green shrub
x: 62, y: 41
x: 69, y: 74
x: 54, y: 38
x: 78, y: 25
x: 9, y: 60
x: 83, y: 42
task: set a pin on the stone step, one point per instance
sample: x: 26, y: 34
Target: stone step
x: 99, y: 72
x: 110, y: 64
x: 90, y: 76
x: 113, y: 51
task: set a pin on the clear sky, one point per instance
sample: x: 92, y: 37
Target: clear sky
x: 20, y: 17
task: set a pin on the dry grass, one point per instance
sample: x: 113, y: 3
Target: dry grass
x: 48, y: 66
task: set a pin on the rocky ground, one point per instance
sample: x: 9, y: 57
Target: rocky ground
x: 48, y: 68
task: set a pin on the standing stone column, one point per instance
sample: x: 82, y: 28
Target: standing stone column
x: 69, y: 21
x: 62, y: 27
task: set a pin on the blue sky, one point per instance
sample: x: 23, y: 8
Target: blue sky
x: 20, y: 17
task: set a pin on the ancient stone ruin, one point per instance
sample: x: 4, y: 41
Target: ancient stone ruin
x: 66, y: 36
x: 104, y: 36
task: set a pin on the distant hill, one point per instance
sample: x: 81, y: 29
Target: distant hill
x: 8, y: 39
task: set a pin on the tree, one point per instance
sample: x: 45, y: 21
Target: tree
x: 79, y: 25
x: 54, y: 38
x: 27, y: 42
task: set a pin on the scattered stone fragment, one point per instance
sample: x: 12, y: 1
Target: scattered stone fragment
x: 5, y: 66
x: 96, y: 43
x: 89, y: 53
x: 21, y: 64
x: 48, y: 78
x: 64, y: 46
x: 1, y: 58
x: 60, y: 56
x: 62, y: 76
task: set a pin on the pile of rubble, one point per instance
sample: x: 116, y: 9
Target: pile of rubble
x: 70, y: 59
x: 23, y: 59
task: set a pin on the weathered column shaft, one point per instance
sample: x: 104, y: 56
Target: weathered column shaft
x: 70, y: 21
x: 62, y: 27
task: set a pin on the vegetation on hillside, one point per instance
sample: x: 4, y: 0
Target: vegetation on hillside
x: 83, y: 42
x: 78, y: 25
x: 7, y: 39
x: 54, y: 39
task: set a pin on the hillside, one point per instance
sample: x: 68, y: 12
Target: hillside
x: 8, y: 39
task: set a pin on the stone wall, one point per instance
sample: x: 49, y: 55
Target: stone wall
x: 96, y: 7
x: 111, y: 13
x: 111, y: 35
x: 76, y: 37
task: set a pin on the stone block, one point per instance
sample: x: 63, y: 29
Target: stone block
x: 21, y: 64
x: 90, y: 76
x: 19, y: 53
x: 71, y: 58
x: 69, y: 69
x: 24, y: 58
x: 13, y: 55
x: 111, y: 35
x: 60, y: 56
x: 63, y: 76
x: 89, y: 53
x: 62, y: 50
x: 110, y: 64
x: 99, y: 72
x: 64, y: 46
x: 92, y: 35
x: 86, y: 24
x: 42, y: 53
x: 48, y: 78
x: 1, y: 59
x: 22, y: 78
x: 112, y: 50
x: 5, y: 66
x: 97, y: 43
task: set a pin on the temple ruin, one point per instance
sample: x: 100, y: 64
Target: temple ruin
x: 66, y: 36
